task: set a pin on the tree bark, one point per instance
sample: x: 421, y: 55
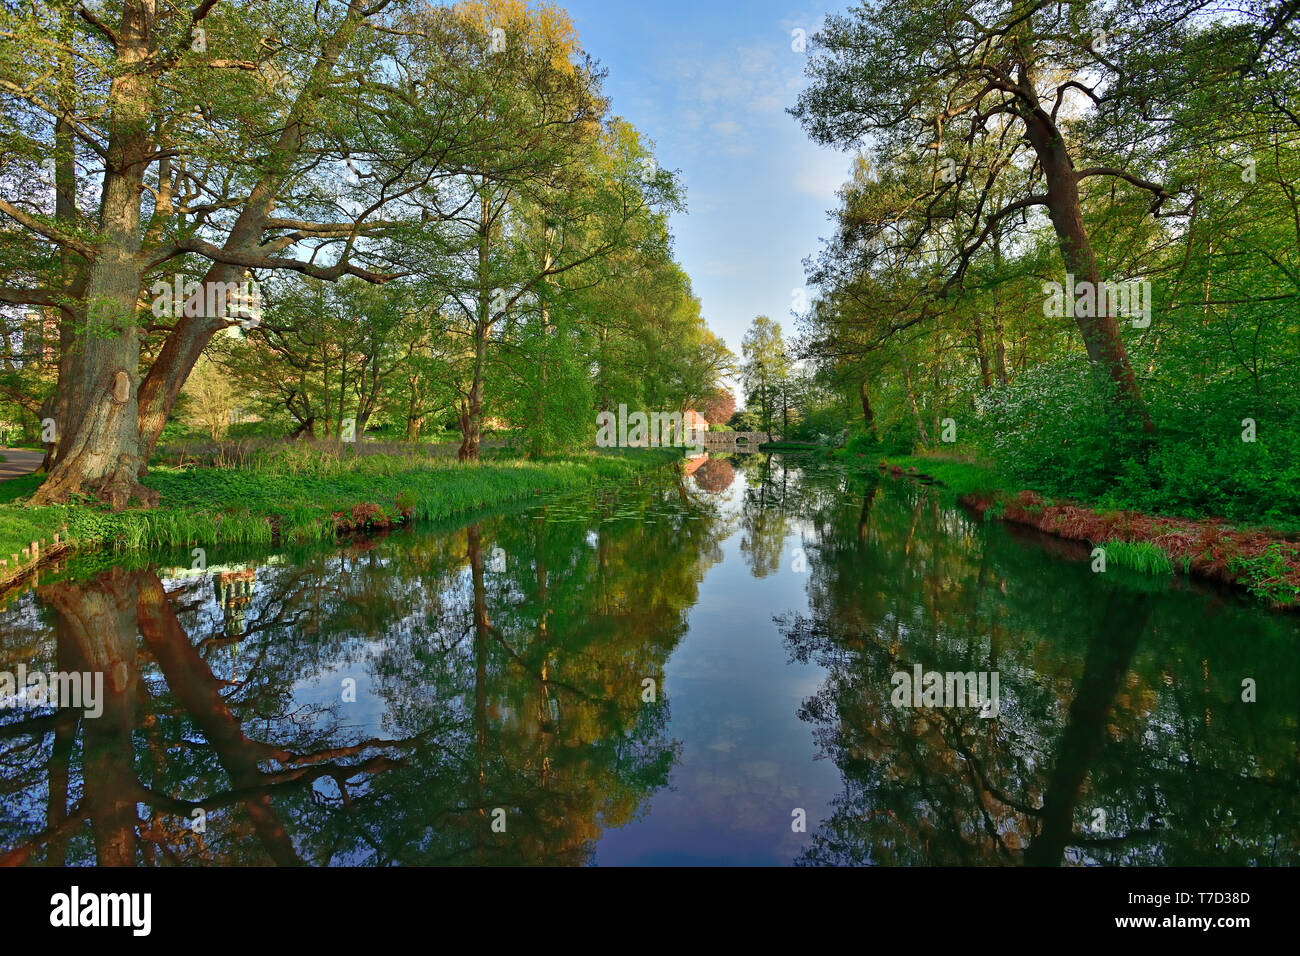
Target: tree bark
x: 1100, y: 333
x: 99, y: 450
x: 868, y: 416
x: 192, y: 682
x: 981, y: 352
x: 471, y: 407
x: 538, y: 444
x: 999, y: 341
x: 911, y: 398
x: 181, y: 350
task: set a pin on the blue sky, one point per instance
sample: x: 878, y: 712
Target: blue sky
x: 709, y: 82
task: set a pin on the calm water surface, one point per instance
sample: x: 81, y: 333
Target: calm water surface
x: 670, y: 673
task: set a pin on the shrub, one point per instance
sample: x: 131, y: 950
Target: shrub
x: 1271, y: 575
x: 1059, y: 427
x: 862, y: 444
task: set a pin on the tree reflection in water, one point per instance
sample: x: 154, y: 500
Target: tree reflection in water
x: 481, y: 684
x: 1122, y: 738
x: 504, y: 665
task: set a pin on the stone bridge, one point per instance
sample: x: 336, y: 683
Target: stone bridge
x: 735, y: 441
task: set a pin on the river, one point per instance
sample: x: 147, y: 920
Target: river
x: 695, y: 669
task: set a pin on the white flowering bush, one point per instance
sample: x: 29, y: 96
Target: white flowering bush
x: 1058, y: 429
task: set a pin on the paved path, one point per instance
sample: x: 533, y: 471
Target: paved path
x: 18, y: 462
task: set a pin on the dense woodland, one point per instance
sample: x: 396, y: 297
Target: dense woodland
x: 428, y: 219
x: 1004, y: 147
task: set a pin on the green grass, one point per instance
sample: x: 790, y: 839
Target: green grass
x: 12, y: 489
x: 960, y: 476
x: 1141, y: 556
x: 301, y: 490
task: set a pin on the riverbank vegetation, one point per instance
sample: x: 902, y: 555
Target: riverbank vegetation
x: 1262, y: 561
x: 299, y: 493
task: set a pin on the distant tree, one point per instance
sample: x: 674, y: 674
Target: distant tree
x: 766, y: 368
x: 211, y: 395
x: 718, y: 406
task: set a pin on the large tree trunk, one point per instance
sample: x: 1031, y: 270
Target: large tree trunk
x: 99, y: 450
x: 911, y: 399
x: 471, y: 409
x: 482, y: 629
x: 999, y: 350
x: 413, y: 425
x: 1100, y: 332
x: 538, y: 443
x: 1085, y: 735
x: 999, y: 342
x: 981, y: 352
x: 72, y: 271
x: 162, y: 386
x: 192, y: 682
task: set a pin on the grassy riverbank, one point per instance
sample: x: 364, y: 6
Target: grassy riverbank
x: 1264, y: 561
x: 298, y: 494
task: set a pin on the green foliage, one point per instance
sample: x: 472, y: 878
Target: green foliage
x: 898, y: 436
x: 550, y: 397
x: 1056, y: 428
x: 1199, y: 463
x: 934, y: 302
x: 305, y: 492
x: 766, y: 372
x: 1269, y: 576
x: 862, y: 444
x: 1142, y: 556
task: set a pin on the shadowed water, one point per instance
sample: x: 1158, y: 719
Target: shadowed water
x: 678, y: 671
